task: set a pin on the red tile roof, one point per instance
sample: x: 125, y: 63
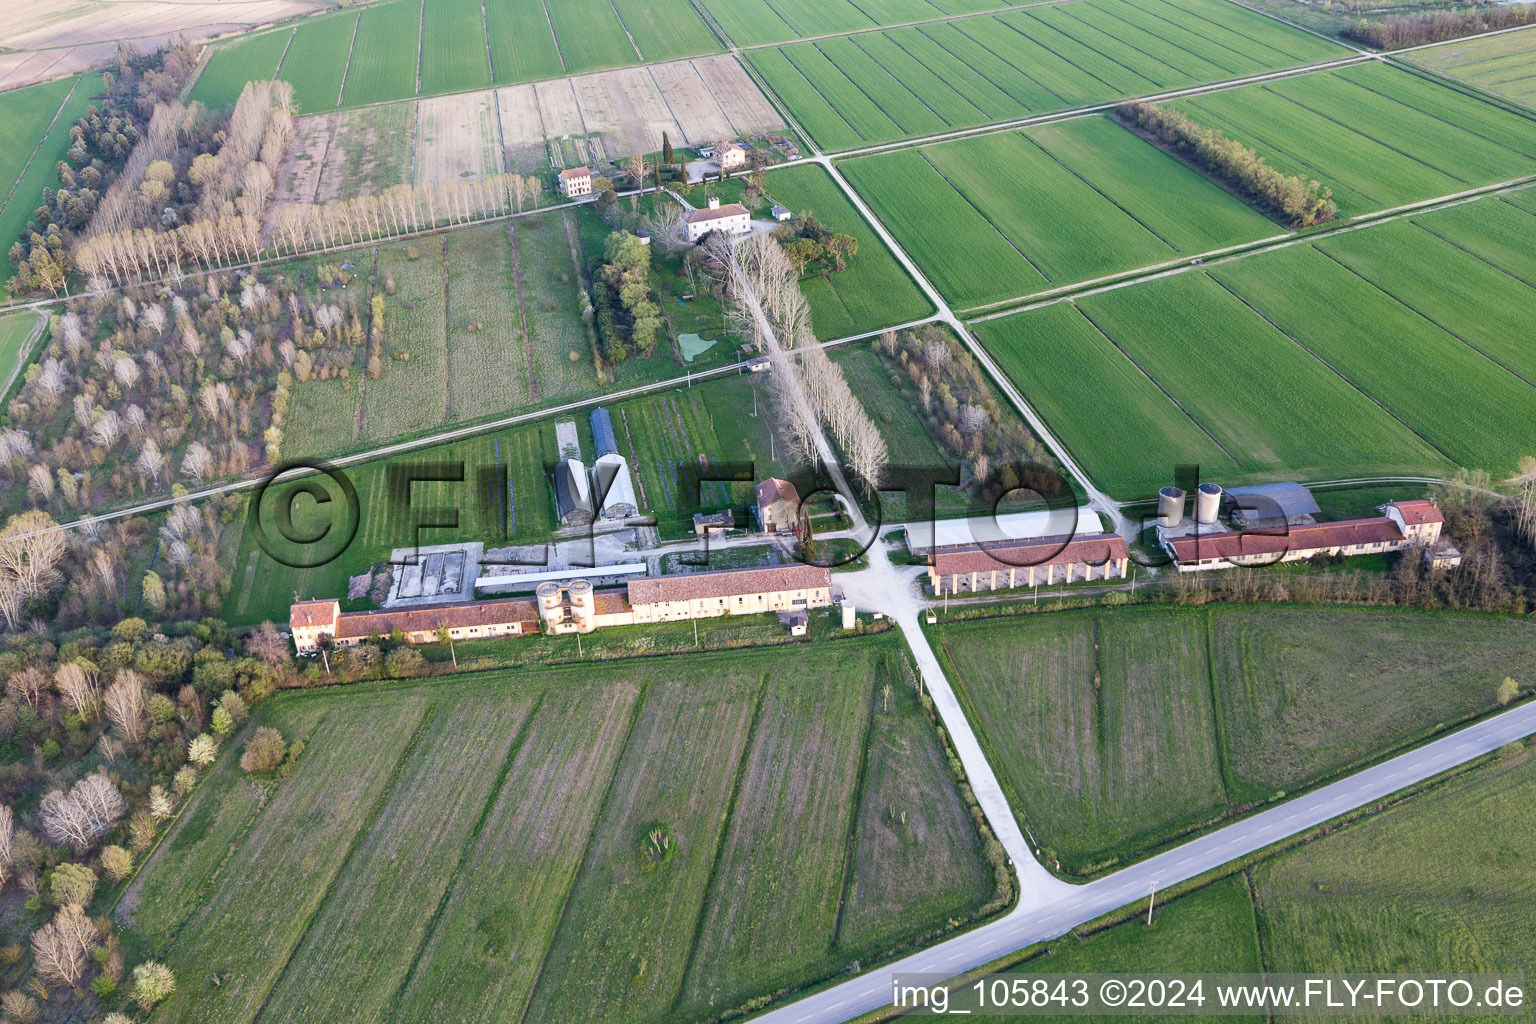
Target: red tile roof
x: 1418, y: 511
x: 728, y: 210
x: 312, y: 613
x: 359, y: 625
x: 729, y: 583
x: 773, y: 489
x: 1236, y: 543
x: 1094, y: 549
x: 610, y: 602
x: 575, y: 172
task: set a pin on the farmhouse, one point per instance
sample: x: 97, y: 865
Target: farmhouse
x: 1404, y: 524
x: 574, y: 181
x: 1045, y: 561
x: 704, y: 595
x: 472, y: 620
x: 732, y: 155
x: 778, y: 506
x: 732, y: 219
x: 574, y: 606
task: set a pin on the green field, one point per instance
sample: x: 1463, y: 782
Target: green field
x: 1115, y: 733
x: 17, y: 335
x: 24, y: 117
x: 1438, y: 882
x: 666, y: 29
x: 451, y: 60
x: 384, y: 55
x: 251, y: 59
x: 482, y: 852
x: 42, y: 173
x: 1029, y: 211
x: 874, y: 291
x: 1379, y: 136
x: 880, y: 86
x: 317, y: 61
x: 1500, y: 64
x: 522, y: 45
x: 1246, y: 353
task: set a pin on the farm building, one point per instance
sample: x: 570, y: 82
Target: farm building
x: 778, y: 506
x: 574, y: 181
x: 703, y: 595
x: 1265, y: 506
x: 927, y: 538
x: 1404, y: 524
x: 473, y: 620
x: 574, y: 606
x: 732, y: 219
x: 780, y: 214
x: 612, y: 488
x: 713, y: 522
x: 732, y: 156
x: 757, y: 364
x: 573, y: 493
x: 1043, y: 562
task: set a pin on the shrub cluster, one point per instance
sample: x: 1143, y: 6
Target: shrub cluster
x: 1300, y: 201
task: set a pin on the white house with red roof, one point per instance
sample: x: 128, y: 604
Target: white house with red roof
x: 574, y: 181
x: 731, y: 219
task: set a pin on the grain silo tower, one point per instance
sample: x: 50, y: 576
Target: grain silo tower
x: 1207, y: 503
x: 1170, y: 507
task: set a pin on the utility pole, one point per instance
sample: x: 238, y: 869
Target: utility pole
x: 1151, y: 899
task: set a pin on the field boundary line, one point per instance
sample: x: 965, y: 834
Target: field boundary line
x: 1436, y: 117
x: 1475, y: 255
x: 1091, y: 109
x: 564, y: 68
x: 284, y: 55
x: 920, y: 62
x: 817, y: 90
x: 912, y: 92
x: 1428, y: 319
x: 1390, y: 54
x: 1104, y: 195
x: 490, y: 60
x: 11, y: 194
x: 24, y: 354
x: 1158, y: 384
x: 1457, y: 85
x: 351, y: 49
x: 1177, y: 46
x: 726, y: 819
x: 900, y: 24
x: 421, y: 38
x: 470, y: 837
x: 1218, y: 256
x: 1067, y: 13
x: 1331, y: 368
x: 980, y: 213
x: 364, y: 827
x: 1300, y: 28
x: 628, y: 34
x: 586, y: 848
x: 1002, y: 60
x: 1072, y: 12
x: 1070, y: 63
x: 863, y: 91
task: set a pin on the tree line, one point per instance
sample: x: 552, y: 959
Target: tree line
x: 1298, y: 200
x: 1395, y: 32
x: 623, y: 303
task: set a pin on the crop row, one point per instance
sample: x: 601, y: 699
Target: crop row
x: 881, y: 86
x: 454, y: 56
x: 1239, y: 365
x: 1046, y: 207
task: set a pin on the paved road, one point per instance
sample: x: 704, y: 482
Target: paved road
x: 1082, y: 903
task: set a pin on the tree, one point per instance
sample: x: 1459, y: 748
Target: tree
x: 61, y: 948
x: 73, y: 885
x: 264, y: 752
x: 161, y: 806
x: 666, y: 149
x: 232, y: 703
x: 117, y: 862
x: 202, y: 750
x: 83, y: 814
x: 125, y: 704
x: 77, y: 686
x: 223, y: 721
x: 22, y: 1008
x: 7, y: 842
x: 152, y: 982
x: 268, y: 645
x: 634, y: 169
x: 30, y: 548
x: 1508, y: 691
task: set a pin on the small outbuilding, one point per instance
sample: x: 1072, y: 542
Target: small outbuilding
x: 713, y: 522
x: 781, y: 214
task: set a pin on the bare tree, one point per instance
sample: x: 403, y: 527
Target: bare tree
x: 125, y: 704
x: 77, y: 686
x: 30, y: 548
x: 7, y: 842
x: 82, y: 815
x: 61, y: 948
